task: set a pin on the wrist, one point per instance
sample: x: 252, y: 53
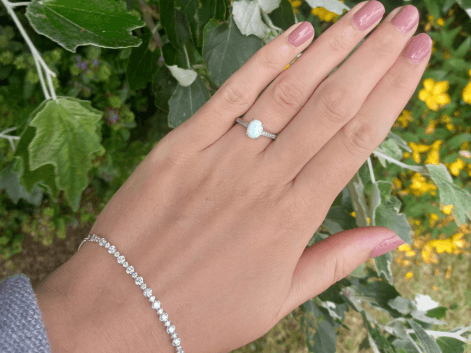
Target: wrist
x: 90, y: 304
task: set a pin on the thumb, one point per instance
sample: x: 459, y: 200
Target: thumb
x: 334, y: 258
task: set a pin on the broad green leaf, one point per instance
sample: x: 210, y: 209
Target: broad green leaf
x: 390, y: 148
x: 421, y: 316
x: 104, y: 23
x: 387, y: 213
x: 225, y: 50
x: 331, y: 5
x: 428, y: 343
x: 339, y: 219
x: 183, y: 76
x: 455, y: 142
x: 437, y: 313
x: 210, y: 9
x: 325, y: 338
x: 451, y: 345
x: 65, y: 138
x: 406, y: 345
x: 376, y: 338
x: 10, y: 182
x: 143, y: 64
x: 246, y: 15
x: 463, y: 48
x: 186, y: 101
x: 356, y: 191
x: 432, y: 7
x: 175, y: 23
x: 401, y: 304
x: 450, y: 193
x: 163, y: 86
x: 189, y: 8
x: 173, y: 56
x: 283, y: 17
x: 400, y: 142
x: 465, y: 5
x: 268, y: 6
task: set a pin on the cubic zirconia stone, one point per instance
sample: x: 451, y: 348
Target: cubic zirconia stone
x: 156, y: 305
x: 179, y: 349
x: 255, y: 129
x: 144, y: 286
x: 148, y: 292
x: 176, y: 342
x: 164, y: 317
x: 134, y: 275
x: 121, y: 259
x: 171, y: 329
x: 174, y: 335
x: 139, y: 281
x: 167, y: 323
x: 160, y: 311
x: 112, y: 249
x: 130, y: 269
x: 102, y: 242
x: 107, y: 245
x: 152, y: 299
x: 125, y: 264
x: 116, y: 254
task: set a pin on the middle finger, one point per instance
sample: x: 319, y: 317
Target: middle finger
x: 341, y: 95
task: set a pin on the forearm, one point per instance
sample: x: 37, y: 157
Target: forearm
x: 90, y: 304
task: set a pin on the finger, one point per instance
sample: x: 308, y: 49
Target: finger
x: 336, y: 163
x: 328, y: 261
x: 283, y: 98
x: 240, y: 90
x: 341, y: 95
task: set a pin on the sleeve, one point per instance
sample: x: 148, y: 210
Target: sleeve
x: 21, y: 327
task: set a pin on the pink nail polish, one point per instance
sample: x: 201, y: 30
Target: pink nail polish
x: 385, y: 246
x: 406, y: 19
x: 418, y: 48
x: 301, y: 34
x: 369, y: 14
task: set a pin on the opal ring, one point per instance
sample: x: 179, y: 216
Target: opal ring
x: 255, y: 129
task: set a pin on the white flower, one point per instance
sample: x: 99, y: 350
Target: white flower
x: 424, y: 302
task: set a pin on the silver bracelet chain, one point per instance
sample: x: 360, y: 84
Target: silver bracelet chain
x: 140, y: 282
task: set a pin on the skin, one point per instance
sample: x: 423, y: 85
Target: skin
x: 217, y: 224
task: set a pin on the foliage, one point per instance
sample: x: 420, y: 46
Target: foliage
x: 109, y: 85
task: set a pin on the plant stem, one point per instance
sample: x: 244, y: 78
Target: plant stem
x: 456, y: 335
x: 415, y: 168
x: 37, y: 57
x: 146, y: 11
x: 372, y: 174
x: 9, y: 138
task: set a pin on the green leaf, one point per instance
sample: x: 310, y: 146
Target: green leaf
x: 455, y: 142
x: 376, y: 339
x: 186, y: 101
x: 65, y: 138
x: 268, y: 6
x: 437, y: 312
x: 163, y: 86
x: 325, y: 338
x: 339, y: 219
x: 189, y: 8
x: 225, y: 50
x: 432, y: 7
x: 210, y: 9
x: 10, y: 182
x: 428, y: 343
x: 451, y: 345
x: 283, y: 17
x: 390, y: 148
x: 465, y: 5
x: 421, y: 316
x: 173, y: 56
x: 451, y: 194
x: 401, y: 304
x: 400, y: 142
x: 175, y: 23
x: 143, y: 64
x: 104, y: 23
x: 331, y: 5
x: 246, y: 15
x: 463, y: 48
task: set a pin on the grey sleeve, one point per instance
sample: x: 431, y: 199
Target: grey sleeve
x: 21, y: 327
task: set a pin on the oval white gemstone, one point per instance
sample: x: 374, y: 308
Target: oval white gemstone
x: 164, y: 317
x: 156, y: 305
x: 112, y: 249
x: 255, y: 129
x: 176, y: 342
x: 130, y: 269
x: 139, y: 281
x: 125, y: 264
x: 121, y: 259
x: 152, y: 299
x: 171, y: 329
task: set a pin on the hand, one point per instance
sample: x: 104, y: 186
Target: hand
x: 217, y: 223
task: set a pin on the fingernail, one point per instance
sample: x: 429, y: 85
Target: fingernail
x: 406, y: 19
x: 369, y: 14
x: 418, y: 48
x: 386, y: 245
x: 301, y: 34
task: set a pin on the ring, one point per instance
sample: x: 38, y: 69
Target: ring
x: 255, y: 129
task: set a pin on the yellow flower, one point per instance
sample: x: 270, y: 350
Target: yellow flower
x: 324, y: 14
x: 435, y: 288
x: 406, y: 263
x: 440, y: 22
x: 430, y: 127
x: 446, y: 54
x: 295, y: 4
x: 433, y: 219
x: 433, y: 157
x: 465, y: 145
x: 405, y: 117
x: 406, y: 155
x: 443, y: 245
x: 404, y: 247
x: 428, y: 255
x: 448, y: 272
x: 434, y: 94
x: 353, y: 214
x: 420, y: 185
x: 409, y: 275
x: 447, y: 209
x: 286, y: 67
x: 437, y: 272
x: 456, y: 167
x: 397, y: 183
x: 430, y: 18
x: 445, y: 119
x: 459, y: 242
x: 467, y: 93
x: 450, y: 127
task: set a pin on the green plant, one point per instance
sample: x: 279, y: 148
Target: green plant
x: 86, y: 132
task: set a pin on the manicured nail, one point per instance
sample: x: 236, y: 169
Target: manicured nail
x: 301, y: 34
x: 369, y: 14
x: 406, y: 19
x: 386, y: 245
x: 418, y: 48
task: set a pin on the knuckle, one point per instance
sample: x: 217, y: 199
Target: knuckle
x: 383, y: 45
x: 269, y: 60
x: 360, y: 138
x: 399, y: 81
x: 287, y: 94
x: 334, y: 103
x: 337, y: 44
x: 234, y: 94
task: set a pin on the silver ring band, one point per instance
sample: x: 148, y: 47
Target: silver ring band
x: 255, y: 129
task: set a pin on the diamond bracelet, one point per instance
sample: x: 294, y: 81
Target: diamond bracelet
x: 140, y: 282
